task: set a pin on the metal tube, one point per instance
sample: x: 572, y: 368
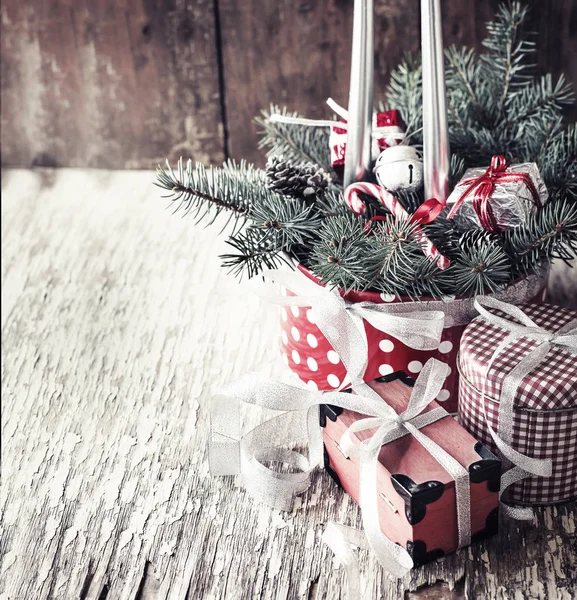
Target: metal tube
x: 359, y: 122
x: 436, y: 162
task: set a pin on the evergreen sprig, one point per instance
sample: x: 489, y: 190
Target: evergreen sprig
x: 552, y: 235
x: 405, y: 92
x: 507, y: 63
x: 209, y: 191
x: 294, y: 142
x: 288, y: 223
x: 495, y: 106
x: 558, y: 161
x: 398, y: 264
x: 339, y: 256
x: 254, y: 252
x: 480, y: 264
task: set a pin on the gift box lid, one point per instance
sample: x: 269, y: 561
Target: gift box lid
x: 550, y: 386
x: 409, y: 463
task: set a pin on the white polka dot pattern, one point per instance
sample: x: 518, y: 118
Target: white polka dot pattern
x: 333, y: 380
x: 312, y: 340
x: 302, y: 340
x: 333, y: 357
x: 444, y: 395
x: 385, y: 369
x: 445, y: 347
x: 386, y: 345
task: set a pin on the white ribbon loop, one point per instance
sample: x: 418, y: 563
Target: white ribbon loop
x: 566, y: 337
x: 389, y: 132
x: 341, y: 322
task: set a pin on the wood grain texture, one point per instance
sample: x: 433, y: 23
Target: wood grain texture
x: 118, y: 326
x: 298, y: 53
x: 115, y: 84
x: 98, y: 83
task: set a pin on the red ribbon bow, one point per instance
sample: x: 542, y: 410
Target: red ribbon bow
x: 482, y: 187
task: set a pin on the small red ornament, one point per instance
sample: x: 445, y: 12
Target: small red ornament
x: 387, y: 130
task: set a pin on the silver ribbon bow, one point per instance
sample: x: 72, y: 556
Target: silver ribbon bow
x: 418, y: 325
x: 341, y: 322
x: 231, y: 453
x: 566, y: 337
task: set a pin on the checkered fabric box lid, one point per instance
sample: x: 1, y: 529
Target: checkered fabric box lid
x: 551, y: 386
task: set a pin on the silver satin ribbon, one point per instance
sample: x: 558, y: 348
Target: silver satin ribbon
x: 341, y: 322
x: 418, y: 325
x: 566, y: 338
x: 231, y: 453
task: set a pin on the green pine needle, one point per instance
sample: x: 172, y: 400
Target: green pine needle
x: 298, y: 143
x: 254, y: 252
x: 552, y: 235
x: 495, y: 106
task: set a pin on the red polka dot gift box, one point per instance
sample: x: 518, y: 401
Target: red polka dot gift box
x: 524, y: 359
x: 308, y: 353
x: 417, y: 498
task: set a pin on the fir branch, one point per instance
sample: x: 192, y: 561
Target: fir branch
x: 209, y: 191
x: 332, y: 203
x: 398, y: 262
x: 480, y: 265
x: 254, y: 252
x: 506, y: 61
x: 287, y: 222
x: 299, y: 143
x: 557, y: 161
x: 339, y: 257
x: 551, y: 234
x: 462, y: 73
x: 540, y: 100
x: 405, y: 92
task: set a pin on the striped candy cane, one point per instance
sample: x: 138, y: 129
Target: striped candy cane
x: 387, y: 199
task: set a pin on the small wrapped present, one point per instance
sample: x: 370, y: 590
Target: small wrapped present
x: 518, y: 385
x: 387, y: 132
x: 418, y: 503
x: 417, y: 475
x: 498, y: 197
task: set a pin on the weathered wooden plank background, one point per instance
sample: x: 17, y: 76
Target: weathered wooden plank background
x: 117, y: 327
x: 124, y: 83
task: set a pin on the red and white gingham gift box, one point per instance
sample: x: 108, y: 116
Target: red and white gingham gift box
x: 545, y: 411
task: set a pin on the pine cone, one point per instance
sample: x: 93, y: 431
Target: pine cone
x: 472, y: 240
x: 305, y: 180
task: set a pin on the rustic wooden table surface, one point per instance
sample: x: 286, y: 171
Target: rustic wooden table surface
x: 118, y: 326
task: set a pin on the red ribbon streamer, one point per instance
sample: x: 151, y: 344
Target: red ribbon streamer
x: 426, y: 213
x: 482, y: 187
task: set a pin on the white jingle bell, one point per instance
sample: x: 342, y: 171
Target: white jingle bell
x: 399, y: 168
